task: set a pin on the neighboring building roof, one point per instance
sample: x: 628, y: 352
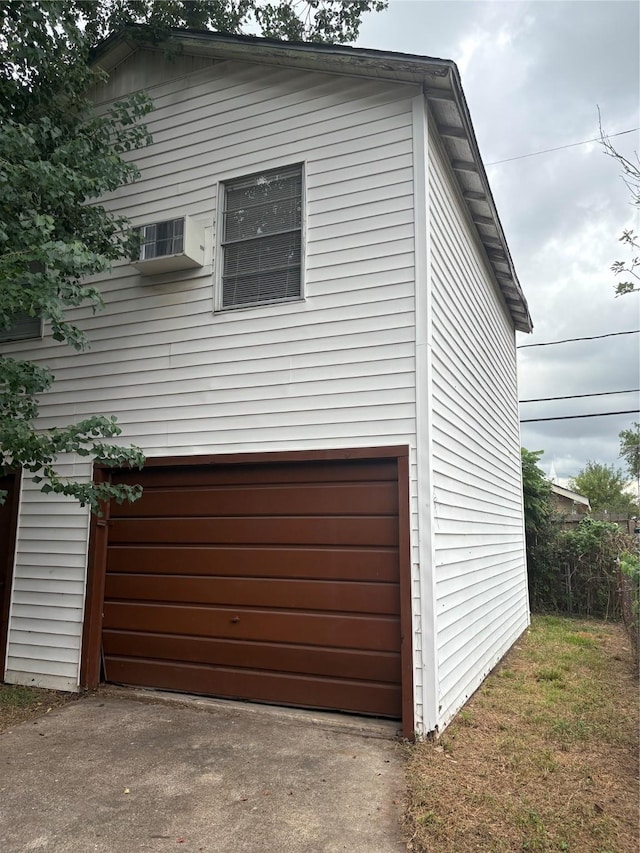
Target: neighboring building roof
x: 441, y: 84
x: 572, y: 496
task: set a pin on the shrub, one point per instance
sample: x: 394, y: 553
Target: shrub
x: 541, y: 531
x: 589, y: 557
x: 592, y: 570
x: 629, y: 585
x: 580, y: 573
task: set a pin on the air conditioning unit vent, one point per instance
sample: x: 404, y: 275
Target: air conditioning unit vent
x: 175, y: 244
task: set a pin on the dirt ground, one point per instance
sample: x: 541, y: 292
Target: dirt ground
x: 20, y: 704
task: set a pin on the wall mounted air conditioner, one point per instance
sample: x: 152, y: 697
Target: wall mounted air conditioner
x: 176, y: 244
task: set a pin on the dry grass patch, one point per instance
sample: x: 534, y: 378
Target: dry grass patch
x: 19, y: 704
x: 544, y: 757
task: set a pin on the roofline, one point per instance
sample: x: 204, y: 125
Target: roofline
x: 567, y: 493
x: 301, y: 47
x: 440, y: 81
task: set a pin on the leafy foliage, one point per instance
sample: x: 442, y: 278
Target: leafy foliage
x: 540, y: 527
x: 630, y: 595
x: 570, y: 571
x: 293, y: 20
x: 57, y: 158
x: 537, y: 493
x: 579, y: 573
x: 630, y: 267
x: 630, y: 449
x: 604, y: 486
x: 587, y: 562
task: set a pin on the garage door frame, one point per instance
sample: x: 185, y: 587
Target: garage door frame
x: 96, y: 574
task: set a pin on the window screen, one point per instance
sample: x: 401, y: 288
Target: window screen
x: 262, y: 238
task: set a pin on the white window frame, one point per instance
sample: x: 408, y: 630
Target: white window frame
x: 219, y: 237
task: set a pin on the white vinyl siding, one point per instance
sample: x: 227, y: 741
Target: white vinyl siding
x: 48, y: 587
x: 334, y: 370
x: 481, y: 594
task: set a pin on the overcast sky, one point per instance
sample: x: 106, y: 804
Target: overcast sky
x: 534, y: 74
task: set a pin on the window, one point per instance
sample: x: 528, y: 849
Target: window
x: 23, y: 328
x: 262, y: 238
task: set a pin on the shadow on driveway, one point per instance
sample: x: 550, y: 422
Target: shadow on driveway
x: 116, y: 775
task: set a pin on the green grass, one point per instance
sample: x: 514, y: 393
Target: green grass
x: 15, y: 696
x: 19, y: 704
x: 542, y: 758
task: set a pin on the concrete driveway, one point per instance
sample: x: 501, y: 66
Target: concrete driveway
x: 118, y: 774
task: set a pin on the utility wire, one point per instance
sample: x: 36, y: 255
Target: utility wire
x: 576, y: 396
x: 561, y: 147
x: 571, y: 340
x: 572, y: 417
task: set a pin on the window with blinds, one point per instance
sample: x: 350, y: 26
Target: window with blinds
x: 262, y: 238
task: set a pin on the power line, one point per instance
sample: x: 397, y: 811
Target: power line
x: 571, y: 417
x: 571, y: 340
x: 561, y: 147
x: 577, y: 396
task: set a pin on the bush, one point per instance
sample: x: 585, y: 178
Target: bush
x: 582, y: 570
x: 629, y: 585
x: 588, y: 560
x: 592, y: 570
x: 540, y: 530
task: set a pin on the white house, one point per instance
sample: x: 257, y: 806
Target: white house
x: 317, y: 355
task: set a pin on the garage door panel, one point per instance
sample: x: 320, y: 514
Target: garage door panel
x: 252, y: 592
x: 343, y: 663
x: 271, y: 581
x: 269, y: 500
x: 316, y: 629
x: 349, y: 564
x: 360, y: 697
x: 321, y: 530
x: 323, y: 471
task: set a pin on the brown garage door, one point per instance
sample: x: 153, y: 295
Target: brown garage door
x: 273, y: 582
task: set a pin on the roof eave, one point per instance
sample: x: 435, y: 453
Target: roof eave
x: 453, y: 122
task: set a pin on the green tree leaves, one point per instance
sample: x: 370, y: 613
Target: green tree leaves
x: 57, y: 157
x: 540, y: 529
x: 630, y: 449
x: 573, y: 570
x: 335, y: 21
x: 604, y: 486
x: 537, y: 493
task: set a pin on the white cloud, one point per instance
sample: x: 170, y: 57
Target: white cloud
x: 534, y: 75
x: 468, y: 47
